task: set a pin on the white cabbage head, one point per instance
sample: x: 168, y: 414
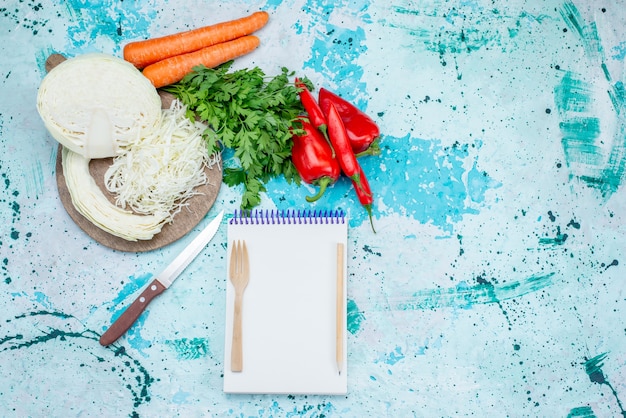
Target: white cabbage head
x: 97, y: 104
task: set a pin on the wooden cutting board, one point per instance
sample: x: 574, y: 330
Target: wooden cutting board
x: 184, y: 221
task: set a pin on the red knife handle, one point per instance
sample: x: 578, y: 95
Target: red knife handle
x: 130, y: 315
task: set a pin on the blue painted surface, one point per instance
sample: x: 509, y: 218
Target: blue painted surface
x: 493, y: 286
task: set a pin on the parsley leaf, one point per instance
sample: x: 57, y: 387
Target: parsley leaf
x: 250, y: 113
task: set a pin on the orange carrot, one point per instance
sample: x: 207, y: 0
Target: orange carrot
x: 171, y: 70
x: 144, y: 53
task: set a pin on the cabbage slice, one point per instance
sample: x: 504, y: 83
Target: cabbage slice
x: 90, y: 202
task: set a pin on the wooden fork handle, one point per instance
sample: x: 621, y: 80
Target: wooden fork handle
x: 236, y: 351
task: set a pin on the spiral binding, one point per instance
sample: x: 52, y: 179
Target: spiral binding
x: 273, y: 217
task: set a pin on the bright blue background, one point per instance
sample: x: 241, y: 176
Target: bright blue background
x: 493, y: 286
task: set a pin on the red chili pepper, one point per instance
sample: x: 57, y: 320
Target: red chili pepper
x: 364, y: 193
x: 316, y: 116
x: 339, y: 138
x: 313, y: 158
x: 362, y: 130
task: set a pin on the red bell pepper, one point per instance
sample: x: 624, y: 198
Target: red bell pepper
x: 339, y: 139
x: 364, y: 193
x: 362, y: 130
x: 313, y: 110
x: 313, y: 158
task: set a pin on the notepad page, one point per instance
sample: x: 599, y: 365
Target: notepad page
x: 289, y: 310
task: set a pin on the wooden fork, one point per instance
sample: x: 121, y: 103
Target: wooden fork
x: 239, y: 276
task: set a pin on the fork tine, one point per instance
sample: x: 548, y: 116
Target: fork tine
x: 233, y: 259
x: 245, y: 263
x: 239, y: 260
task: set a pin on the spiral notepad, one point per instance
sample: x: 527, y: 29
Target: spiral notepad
x: 289, y: 315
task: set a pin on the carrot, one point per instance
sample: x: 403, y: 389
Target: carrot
x: 171, y: 70
x: 144, y: 53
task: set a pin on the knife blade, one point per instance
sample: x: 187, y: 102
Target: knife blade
x: 161, y: 283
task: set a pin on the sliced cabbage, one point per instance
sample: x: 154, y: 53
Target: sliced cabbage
x: 162, y: 170
x: 152, y: 179
x: 97, y: 104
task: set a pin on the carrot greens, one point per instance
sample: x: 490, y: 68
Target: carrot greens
x: 253, y: 115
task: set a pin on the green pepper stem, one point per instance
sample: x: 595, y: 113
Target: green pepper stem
x: 324, y: 130
x: 368, y: 208
x: 356, y: 178
x: 373, y: 149
x: 323, y: 182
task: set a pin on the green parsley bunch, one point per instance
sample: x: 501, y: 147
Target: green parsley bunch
x: 251, y: 114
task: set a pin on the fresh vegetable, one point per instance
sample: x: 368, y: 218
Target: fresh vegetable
x: 100, y: 106
x: 313, y: 110
x: 364, y: 193
x: 362, y: 130
x: 160, y: 172
x: 172, y: 70
x: 146, y: 52
x: 314, y: 160
x: 253, y: 115
x: 90, y: 202
x: 339, y: 138
x: 154, y: 177
x: 96, y: 105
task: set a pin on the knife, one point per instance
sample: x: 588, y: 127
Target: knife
x: 162, y: 282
